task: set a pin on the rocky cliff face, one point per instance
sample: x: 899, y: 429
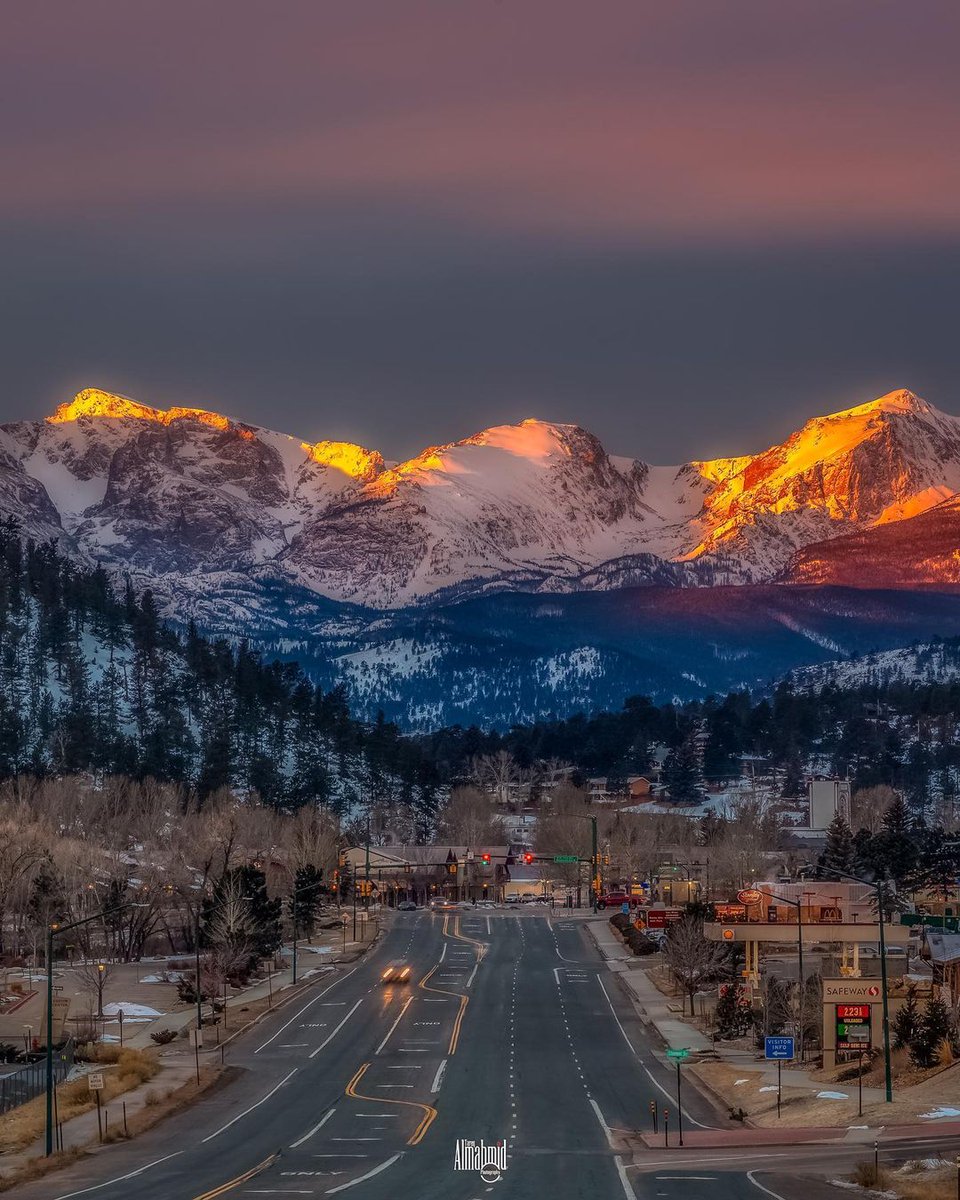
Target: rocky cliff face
x: 212, y: 511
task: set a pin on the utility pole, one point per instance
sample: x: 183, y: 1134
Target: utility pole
x: 53, y: 930
x: 878, y: 888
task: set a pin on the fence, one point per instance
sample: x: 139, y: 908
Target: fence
x: 26, y: 1082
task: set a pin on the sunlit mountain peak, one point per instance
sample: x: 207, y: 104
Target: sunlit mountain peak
x: 92, y: 402
x: 355, y: 461
x: 900, y: 401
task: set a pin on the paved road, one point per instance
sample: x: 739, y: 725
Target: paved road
x: 510, y: 1029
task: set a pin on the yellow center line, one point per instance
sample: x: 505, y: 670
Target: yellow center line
x: 429, y: 1112
x: 244, y: 1178
x: 482, y: 947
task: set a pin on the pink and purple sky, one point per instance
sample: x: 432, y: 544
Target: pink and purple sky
x: 687, y: 225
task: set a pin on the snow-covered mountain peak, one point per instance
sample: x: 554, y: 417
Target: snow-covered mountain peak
x: 92, y: 402
x: 900, y: 401
x: 356, y: 461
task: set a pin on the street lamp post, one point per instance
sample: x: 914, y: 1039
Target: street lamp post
x: 798, y: 905
x: 297, y: 891
x: 53, y: 930
x: 594, y: 859
x: 878, y: 888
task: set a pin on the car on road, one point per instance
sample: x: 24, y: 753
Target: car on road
x: 406, y: 906
x: 613, y: 900
x: 395, y: 973
x: 512, y: 900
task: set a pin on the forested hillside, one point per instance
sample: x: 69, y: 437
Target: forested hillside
x: 93, y: 682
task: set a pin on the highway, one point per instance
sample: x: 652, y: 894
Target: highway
x: 510, y: 1028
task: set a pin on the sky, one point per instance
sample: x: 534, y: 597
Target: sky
x: 685, y: 226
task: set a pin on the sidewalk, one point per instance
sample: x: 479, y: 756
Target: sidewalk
x: 653, y: 1007
x: 179, y: 1069
x: 309, y: 966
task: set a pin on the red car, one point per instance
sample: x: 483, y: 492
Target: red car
x: 615, y: 899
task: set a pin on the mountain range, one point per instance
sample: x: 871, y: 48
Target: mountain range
x: 328, y: 550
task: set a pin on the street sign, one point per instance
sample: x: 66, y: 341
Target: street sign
x: 853, y: 1026
x: 680, y: 1054
x: 625, y: 908
x: 196, y: 1038
x: 565, y: 858
x: 778, y: 1048
x: 95, y: 1081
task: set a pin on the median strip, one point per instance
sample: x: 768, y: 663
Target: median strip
x: 429, y: 1112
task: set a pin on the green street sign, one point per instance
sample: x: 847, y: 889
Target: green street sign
x: 681, y: 1054
x: 565, y: 858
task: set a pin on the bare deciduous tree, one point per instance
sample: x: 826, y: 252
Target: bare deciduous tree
x: 694, y: 962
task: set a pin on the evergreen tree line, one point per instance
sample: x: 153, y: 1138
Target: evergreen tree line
x: 907, y: 853
x: 906, y: 736
x: 95, y: 682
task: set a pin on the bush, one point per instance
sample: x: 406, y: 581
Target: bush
x: 163, y: 1037
x: 621, y: 922
x: 866, y: 1174
x: 639, y: 943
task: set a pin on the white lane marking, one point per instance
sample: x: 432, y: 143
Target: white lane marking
x: 470, y: 977
x: 384, y: 1086
x: 603, y: 1125
x: 301, y: 1011
x: 292, y: 1045
x: 624, y: 1181
x: 756, y: 1183
x: 705, y: 1178
x: 716, y: 1158
x: 120, y: 1178
x: 406, y: 1005
x: 319, y: 1125
x: 443, y: 952
x: 330, y: 1036
x: 369, y: 1175
x: 263, y: 1100
x: 653, y: 1079
x: 489, y: 930
x: 438, y: 1078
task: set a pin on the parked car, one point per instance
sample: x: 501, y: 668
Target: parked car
x: 406, y: 906
x: 613, y: 900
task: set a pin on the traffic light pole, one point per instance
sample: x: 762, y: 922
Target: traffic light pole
x: 595, y: 881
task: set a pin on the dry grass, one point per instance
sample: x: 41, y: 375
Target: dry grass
x: 36, y: 1168
x: 128, y: 1070
x: 913, y: 1181
x: 165, y: 1104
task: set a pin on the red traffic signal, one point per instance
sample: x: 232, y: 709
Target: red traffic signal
x: 528, y: 858
x: 486, y: 858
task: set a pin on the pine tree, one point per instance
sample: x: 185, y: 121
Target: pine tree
x: 906, y: 1023
x: 732, y: 1016
x: 932, y: 1031
x: 837, y: 858
x: 308, y: 884
x: 681, y: 772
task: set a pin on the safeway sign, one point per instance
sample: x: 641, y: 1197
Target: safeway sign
x: 849, y: 990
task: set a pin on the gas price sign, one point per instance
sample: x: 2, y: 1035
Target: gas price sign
x: 853, y: 1026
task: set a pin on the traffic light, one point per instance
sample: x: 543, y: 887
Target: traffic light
x: 606, y: 860
x: 486, y: 859
x: 452, y: 868
x: 528, y: 859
